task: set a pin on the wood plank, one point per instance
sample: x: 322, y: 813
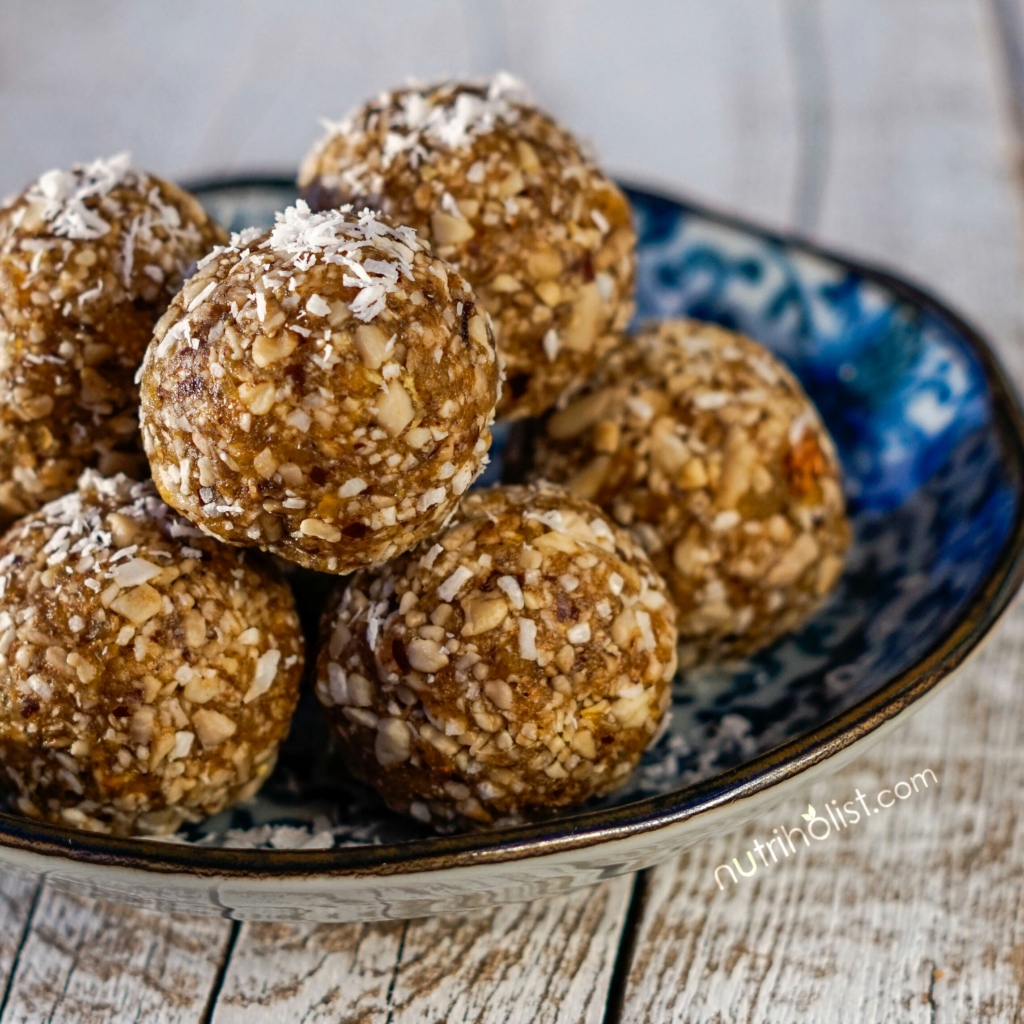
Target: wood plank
x: 912, y: 915
x: 707, y: 104
x: 17, y: 898
x: 697, y: 95
x: 90, y: 962
x: 545, y: 962
x: 194, y: 88
x: 548, y: 961
x: 313, y: 972
x: 1008, y: 28
x: 915, y: 914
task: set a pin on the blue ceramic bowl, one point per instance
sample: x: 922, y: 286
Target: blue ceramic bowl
x: 929, y: 432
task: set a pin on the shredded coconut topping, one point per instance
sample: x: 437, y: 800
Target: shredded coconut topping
x: 63, y: 195
x: 450, y: 115
x: 81, y: 533
x: 338, y: 237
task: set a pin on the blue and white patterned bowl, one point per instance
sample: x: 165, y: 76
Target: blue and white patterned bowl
x: 930, y: 437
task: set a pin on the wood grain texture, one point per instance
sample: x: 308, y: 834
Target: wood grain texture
x: 918, y: 913
x: 315, y: 972
x: 699, y: 96
x: 545, y: 962
x: 17, y: 899
x: 548, y: 961
x: 88, y: 962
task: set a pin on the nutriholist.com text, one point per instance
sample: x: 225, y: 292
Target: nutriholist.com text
x: 818, y: 824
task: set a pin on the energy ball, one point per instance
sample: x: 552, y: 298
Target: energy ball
x: 508, y: 196
x: 519, y: 663
x: 707, y: 447
x: 323, y: 390
x: 147, y: 673
x: 89, y: 260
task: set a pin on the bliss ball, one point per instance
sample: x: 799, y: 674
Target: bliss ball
x: 89, y: 260
x: 706, y: 446
x: 148, y: 674
x: 507, y: 195
x: 517, y: 664
x: 323, y: 390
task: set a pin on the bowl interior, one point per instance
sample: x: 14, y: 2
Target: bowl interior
x: 932, y: 500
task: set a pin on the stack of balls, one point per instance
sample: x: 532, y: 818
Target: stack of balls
x: 324, y: 391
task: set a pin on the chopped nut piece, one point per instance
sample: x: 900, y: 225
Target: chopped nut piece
x: 265, y: 464
x: 392, y: 745
x: 500, y: 694
x: 318, y: 528
x: 134, y: 572
x: 584, y: 745
x: 371, y: 343
x: 213, y: 728
x: 448, y: 230
x: 426, y: 655
x: 264, y: 675
x: 258, y: 398
x: 544, y: 265
x: 139, y: 604
x: 582, y: 329
x: 395, y: 410
x: 269, y: 350
x: 200, y: 689
x: 483, y: 614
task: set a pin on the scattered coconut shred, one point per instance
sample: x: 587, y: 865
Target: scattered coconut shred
x: 418, y: 124
x: 61, y: 195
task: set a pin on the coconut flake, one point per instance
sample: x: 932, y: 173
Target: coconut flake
x: 509, y: 585
x: 454, y: 583
x: 578, y: 634
x: 264, y: 675
x: 427, y: 561
x: 551, y: 344
x: 450, y: 115
x: 428, y: 499
x: 352, y: 487
x: 528, y: 639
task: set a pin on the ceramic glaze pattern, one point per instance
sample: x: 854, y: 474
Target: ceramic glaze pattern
x: 931, y: 502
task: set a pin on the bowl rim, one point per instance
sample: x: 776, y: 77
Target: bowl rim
x: 590, y: 828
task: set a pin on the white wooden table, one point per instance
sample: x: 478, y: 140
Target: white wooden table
x: 892, y: 128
